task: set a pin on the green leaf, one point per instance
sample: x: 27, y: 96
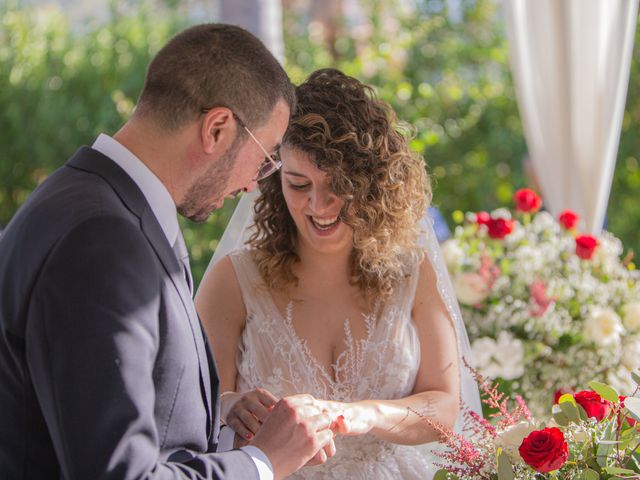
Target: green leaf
x: 443, y: 475
x: 588, y: 474
x: 505, y: 470
x: 619, y: 471
x: 605, y: 391
x: 632, y: 404
x: 636, y: 377
x: 570, y: 411
x: 582, y: 412
x: 606, y: 444
x: 559, y: 416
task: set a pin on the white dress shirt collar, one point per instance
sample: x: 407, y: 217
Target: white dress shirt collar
x: 152, y: 188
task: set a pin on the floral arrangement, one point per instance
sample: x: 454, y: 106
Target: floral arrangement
x: 593, y: 435
x: 546, y: 308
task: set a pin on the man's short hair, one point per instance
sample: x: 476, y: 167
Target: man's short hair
x: 213, y: 65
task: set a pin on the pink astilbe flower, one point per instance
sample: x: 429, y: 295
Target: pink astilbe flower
x: 462, y: 458
x: 498, y: 401
x: 480, y: 425
x: 522, y: 410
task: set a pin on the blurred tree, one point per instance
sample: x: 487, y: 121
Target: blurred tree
x: 60, y: 87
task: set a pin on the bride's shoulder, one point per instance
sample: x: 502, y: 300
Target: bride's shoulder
x: 220, y: 288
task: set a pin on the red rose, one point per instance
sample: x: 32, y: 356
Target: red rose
x: 527, y: 201
x: 482, y: 218
x: 586, y: 246
x: 595, y: 406
x: 499, y: 227
x: 631, y: 421
x: 568, y: 219
x: 544, y: 450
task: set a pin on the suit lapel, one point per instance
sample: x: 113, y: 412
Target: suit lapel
x: 92, y: 161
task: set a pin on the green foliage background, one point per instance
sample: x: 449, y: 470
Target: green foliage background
x: 61, y: 85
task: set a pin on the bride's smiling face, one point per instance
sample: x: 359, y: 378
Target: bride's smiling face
x: 314, y: 207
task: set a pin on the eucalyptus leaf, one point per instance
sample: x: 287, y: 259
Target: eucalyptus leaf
x: 442, y: 475
x: 636, y: 377
x: 632, y: 404
x: 605, y: 391
x: 505, y: 470
x: 619, y: 471
x: 588, y: 474
x: 570, y: 411
x: 606, y: 445
x: 559, y: 416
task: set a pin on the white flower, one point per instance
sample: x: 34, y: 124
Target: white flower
x: 621, y: 380
x: 631, y: 354
x: 501, y: 213
x: 499, y: 358
x: 511, y: 352
x: 603, y: 327
x: 471, y: 288
x: 453, y: 254
x: 511, y: 438
x: 631, y: 316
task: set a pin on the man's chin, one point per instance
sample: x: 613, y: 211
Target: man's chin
x: 202, y: 215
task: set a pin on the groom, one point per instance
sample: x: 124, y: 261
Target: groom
x: 104, y: 369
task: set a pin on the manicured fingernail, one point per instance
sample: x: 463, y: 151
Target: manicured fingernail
x: 249, y: 436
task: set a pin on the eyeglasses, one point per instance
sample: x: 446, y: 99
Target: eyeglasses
x: 271, y: 162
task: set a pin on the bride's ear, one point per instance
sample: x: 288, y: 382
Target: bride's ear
x: 218, y: 130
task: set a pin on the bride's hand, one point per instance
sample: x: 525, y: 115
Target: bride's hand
x: 355, y: 418
x: 245, y: 412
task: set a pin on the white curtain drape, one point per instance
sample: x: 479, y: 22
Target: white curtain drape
x: 570, y: 61
x: 263, y: 18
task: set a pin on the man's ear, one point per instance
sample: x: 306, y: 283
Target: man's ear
x: 218, y: 129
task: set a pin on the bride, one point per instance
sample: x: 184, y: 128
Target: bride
x: 339, y: 291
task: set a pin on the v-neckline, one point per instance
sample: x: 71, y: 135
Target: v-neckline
x: 311, y: 360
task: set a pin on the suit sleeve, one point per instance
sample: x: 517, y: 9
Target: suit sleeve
x: 92, y: 338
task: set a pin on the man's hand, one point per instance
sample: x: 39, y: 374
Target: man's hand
x: 296, y: 431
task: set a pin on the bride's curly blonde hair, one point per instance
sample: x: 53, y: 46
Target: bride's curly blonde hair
x: 355, y: 139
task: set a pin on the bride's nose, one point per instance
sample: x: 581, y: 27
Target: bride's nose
x: 321, y: 200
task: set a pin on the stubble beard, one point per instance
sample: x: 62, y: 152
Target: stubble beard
x: 209, y: 189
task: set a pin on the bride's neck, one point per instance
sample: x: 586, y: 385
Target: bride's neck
x: 323, y: 268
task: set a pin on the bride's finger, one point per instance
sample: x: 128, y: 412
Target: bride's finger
x: 258, y: 410
x: 247, y: 420
x: 266, y: 398
x: 237, y: 426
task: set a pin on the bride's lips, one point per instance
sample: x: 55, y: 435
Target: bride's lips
x: 324, y: 230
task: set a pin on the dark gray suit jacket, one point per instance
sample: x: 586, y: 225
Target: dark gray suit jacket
x: 105, y: 372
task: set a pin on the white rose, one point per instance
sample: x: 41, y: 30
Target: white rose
x: 631, y: 354
x: 511, y: 438
x: 470, y: 288
x: 499, y: 358
x: 631, y: 318
x: 453, y: 254
x: 603, y: 327
x: 511, y: 356
x: 482, y: 350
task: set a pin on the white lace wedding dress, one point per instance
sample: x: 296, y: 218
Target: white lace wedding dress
x: 382, y: 366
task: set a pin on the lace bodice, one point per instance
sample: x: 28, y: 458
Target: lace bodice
x: 383, y: 365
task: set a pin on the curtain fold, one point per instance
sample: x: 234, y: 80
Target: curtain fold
x: 570, y: 61
x: 263, y: 18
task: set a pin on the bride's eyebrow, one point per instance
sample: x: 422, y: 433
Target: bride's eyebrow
x: 294, y: 174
